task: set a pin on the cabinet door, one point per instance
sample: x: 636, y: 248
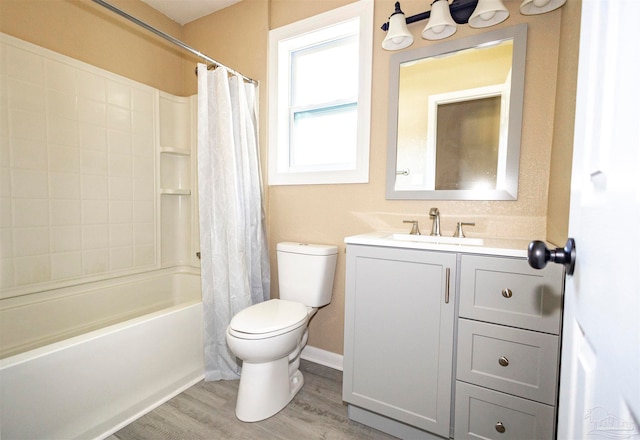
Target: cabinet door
x: 399, y: 334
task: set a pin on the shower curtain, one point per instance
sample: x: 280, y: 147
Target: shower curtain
x: 234, y: 256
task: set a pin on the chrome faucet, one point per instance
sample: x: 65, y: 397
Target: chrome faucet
x: 435, y: 228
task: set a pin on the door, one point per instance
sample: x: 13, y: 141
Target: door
x: 600, y: 372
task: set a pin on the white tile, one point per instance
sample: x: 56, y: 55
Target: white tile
x: 144, y: 211
x: 5, y: 212
x: 120, y: 235
x: 95, y: 237
x: 144, y: 234
x: 143, y: 189
x: 24, y: 65
x: 65, y: 239
x: 66, y: 265
x: 26, y: 96
x: 28, y: 242
x: 142, y: 124
x: 63, y: 131
x: 120, y: 165
x: 121, y: 258
x: 120, y: 212
x: 64, y: 185
x: 28, y: 154
x: 91, y: 86
x: 118, y: 94
x: 30, y: 212
x: 65, y: 212
x: 94, y: 162
x: 27, y: 125
x: 94, y: 187
x: 144, y: 256
x: 5, y: 182
x: 64, y: 158
x: 119, y: 142
x: 118, y: 119
x: 95, y: 212
x: 91, y: 111
x: 6, y: 273
x: 142, y: 101
x: 29, y: 183
x: 95, y: 261
x: 143, y: 168
x: 93, y: 137
x: 60, y: 76
x: 6, y: 243
x: 5, y: 150
x: 31, y: 270
x: 62, y: 104
x: 143, y: 146
x: 120, y: 188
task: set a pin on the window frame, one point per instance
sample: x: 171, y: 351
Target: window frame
x: 284, y: 40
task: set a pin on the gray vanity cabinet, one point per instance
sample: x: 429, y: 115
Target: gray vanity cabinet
x: 508, y: 348
x: 399, y: 338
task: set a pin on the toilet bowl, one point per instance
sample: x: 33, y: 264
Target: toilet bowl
x: 270, y: 357
x: 268, y: 337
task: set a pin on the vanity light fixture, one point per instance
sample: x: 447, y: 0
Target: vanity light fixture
x: 444, y: 17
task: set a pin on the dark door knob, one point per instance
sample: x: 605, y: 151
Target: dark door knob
x: 539, y: 255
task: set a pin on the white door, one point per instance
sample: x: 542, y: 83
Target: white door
x: 600, y: 378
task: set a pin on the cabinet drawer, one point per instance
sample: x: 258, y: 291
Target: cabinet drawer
x: 519, y: 362
x: 488, y: 414
x: 507, y: 291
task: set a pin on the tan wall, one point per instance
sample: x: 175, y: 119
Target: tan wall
x: 561, y: 155
x: 88, y: 32
x: 238, y: 37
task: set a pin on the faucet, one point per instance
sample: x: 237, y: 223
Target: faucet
x: 435, y: 228
x: 414, y: 228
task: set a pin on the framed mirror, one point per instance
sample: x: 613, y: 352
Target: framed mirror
x: 455, y: 117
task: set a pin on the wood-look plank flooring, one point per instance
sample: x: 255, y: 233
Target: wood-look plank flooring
x: 207, y: 411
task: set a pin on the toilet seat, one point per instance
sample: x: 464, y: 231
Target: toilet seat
x: 268, y: 319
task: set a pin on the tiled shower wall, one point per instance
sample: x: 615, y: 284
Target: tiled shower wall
x: 77, y: 170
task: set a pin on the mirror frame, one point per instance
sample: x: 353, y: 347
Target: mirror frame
x: 510, y: 191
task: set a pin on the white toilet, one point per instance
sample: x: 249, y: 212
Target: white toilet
x: 269, y: 336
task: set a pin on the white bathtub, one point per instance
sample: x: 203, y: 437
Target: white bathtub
x: 84, y: 361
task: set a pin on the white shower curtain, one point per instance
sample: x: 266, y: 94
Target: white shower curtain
x: 235, y: 260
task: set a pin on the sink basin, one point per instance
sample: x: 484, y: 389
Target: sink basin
x: 437, y: 240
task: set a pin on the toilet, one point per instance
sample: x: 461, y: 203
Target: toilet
x: 268, y: 337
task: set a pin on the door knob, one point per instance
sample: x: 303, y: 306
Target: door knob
x: 539, y: 255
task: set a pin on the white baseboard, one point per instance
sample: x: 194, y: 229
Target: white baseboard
x: 322, y: 357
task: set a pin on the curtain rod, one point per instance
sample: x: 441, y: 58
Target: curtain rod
x: 171, y: 39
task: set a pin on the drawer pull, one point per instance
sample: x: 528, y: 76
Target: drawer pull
x: 503, y: 361
x: 500, y: 427
x: 507, y: 293
x: 446, y: 288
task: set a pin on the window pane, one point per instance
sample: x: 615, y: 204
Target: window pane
x: 325, y: 136
x: 326, y: 72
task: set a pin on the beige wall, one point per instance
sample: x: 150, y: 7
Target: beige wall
x: 238, y: 37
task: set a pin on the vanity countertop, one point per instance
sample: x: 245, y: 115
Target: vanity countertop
x: 491, y: 246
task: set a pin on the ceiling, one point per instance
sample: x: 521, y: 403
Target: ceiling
x: 184, y: 11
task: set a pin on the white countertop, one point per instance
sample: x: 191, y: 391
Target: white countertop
x: 491, y: 246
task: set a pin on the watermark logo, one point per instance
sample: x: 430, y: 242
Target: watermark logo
x: 605, y: 424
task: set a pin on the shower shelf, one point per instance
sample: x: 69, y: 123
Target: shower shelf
x: 175, y: 151
x: 175, y: 192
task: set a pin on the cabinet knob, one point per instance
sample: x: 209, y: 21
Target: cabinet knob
x: 507, y: 293
x: 500, y: 427
x: 503, y: 361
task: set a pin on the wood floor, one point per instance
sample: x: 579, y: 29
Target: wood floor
x: 206, y: 411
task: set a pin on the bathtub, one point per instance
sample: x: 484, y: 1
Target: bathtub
x: 84, y: 361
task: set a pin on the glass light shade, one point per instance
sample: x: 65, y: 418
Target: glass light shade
x: 398, y: 36
x: 441, y: 24
x: 532, y: 7
x: 488, y: 13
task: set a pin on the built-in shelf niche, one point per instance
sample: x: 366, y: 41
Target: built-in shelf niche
x: 177, y: 179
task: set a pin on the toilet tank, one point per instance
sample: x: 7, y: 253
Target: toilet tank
x: 305, y: 272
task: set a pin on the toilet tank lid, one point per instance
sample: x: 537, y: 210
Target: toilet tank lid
x: 307, y: 248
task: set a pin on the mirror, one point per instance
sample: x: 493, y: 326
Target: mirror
x: 455, y: 116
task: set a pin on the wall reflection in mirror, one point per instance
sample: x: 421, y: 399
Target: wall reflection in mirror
x: 455, y: 118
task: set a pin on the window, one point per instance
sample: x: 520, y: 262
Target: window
x: 319, y: 98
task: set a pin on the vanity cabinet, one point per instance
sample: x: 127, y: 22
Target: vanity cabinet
x: 451, y: 341
x: 508, y: 348
x: 399, y: 328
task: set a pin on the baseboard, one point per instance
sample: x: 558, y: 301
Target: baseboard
x: 322, y: 357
